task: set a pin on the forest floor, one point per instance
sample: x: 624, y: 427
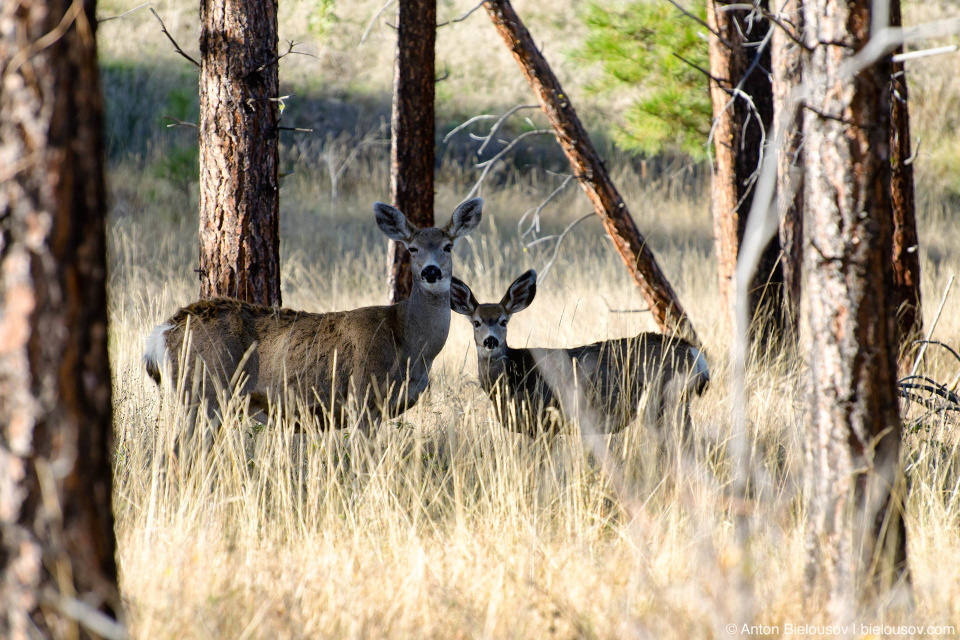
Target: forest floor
x: 447, y: 525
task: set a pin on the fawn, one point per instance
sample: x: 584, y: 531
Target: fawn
x: 532, y: 388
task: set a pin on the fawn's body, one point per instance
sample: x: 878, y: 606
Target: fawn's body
x: 375, y: 359
x: 534, y: 389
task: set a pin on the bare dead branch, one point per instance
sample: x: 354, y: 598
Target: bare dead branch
x: 702, y: 23
x: 486, y: 165
x: 466, y: 124
x: 925, y: 53
x: 125, y: 13
x: 499, y: 123
x: 461, y: 17
x: 373, y: 20
x: 176, y: 122
x: 176, y: 47
x: 723, y: 84
x: 536, y: 211
x: 556, y: 247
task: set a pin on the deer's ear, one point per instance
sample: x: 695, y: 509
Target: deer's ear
x: 393, y: 223
x: 461, y: 298
x: 465, y: 219
x: 521, y: 293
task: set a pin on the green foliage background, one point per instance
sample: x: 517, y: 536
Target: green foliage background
x: 639, y: 45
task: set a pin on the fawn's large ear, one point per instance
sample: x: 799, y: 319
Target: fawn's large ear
x: 465, y: 219
x: 521, y: 293
x: 393, y: 223
x: 461, y: 298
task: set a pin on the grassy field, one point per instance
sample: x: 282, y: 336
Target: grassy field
x: 446, y: 525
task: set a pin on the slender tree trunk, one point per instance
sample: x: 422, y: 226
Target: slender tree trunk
x: 741, y: 125
x: 239, y: 201
x: 856, y: 540
x: 906, y: 258
x: 590, y: 171
x: 56, y: 524
x: 786, y: 59
x: 412, y: 148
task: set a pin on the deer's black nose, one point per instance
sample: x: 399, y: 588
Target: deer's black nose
x: 491, y: 343
x: 431, y: 274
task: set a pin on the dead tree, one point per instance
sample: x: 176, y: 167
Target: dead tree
x: 412, y: 147
x: 239, y: 199
x: 742, y: 96
x: 906, y: 258
x: 856, y: 538
x: 589, y: 169
x: 786, y: 61
x: 58, y: 574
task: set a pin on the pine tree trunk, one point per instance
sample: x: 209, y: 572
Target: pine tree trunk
x: 906, y: 258
x: 590, y: 171
x: 239, y: 200
x: 854, y: 430
x: 57, y: 541
x: 738, y: 143
x: 786, y: 59
x: 412, y: 148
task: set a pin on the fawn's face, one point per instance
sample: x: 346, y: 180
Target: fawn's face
x: 490, y: 320
x: 431, y: 250
x: 490, y: 329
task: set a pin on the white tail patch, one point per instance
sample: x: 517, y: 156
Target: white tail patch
x: 156, y: 355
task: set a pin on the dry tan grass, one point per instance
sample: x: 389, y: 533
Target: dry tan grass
x: 447, y: 525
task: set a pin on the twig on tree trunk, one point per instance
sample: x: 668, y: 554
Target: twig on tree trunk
x: 176, y: 47
x: 769, y: 15
x: 175, y: 122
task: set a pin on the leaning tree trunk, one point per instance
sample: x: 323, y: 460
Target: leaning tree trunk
x: 239, y: 201
x: 856, y: 540
x: 412, y: 148
x: 906, y: 258
x: 738, y: 139
x: 590, y: 171
x: 56, y: 524
x: 786, y: 60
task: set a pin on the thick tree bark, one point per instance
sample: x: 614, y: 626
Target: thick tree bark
x: 738, y: 143
x: 56, y: 524
x: 593, y: 177
x: 906, y: 258
x: 412, y: 148
x: 786, y: 59
x: 239, y: 200
x: 856, y: 539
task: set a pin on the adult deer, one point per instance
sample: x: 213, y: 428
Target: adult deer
x: 374, y: 359
x: 530, y: 387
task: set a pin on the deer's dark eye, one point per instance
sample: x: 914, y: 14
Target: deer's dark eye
x: 503, y: 323
x: 412, y: 250
x: 448, y: 248
x: 476, y: 324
